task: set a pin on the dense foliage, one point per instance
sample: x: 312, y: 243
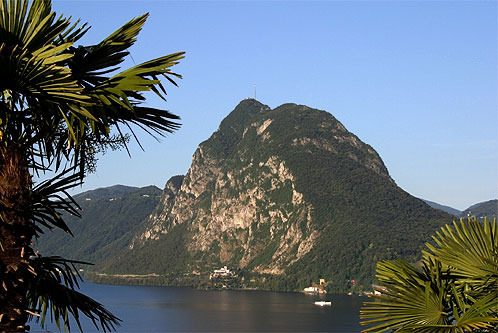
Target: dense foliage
x: 444, y: 208
x: 487, y: 209
x: 361, y: 215
x: 109, y: 219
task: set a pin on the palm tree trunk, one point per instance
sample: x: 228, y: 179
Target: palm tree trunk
x: 16, y: 232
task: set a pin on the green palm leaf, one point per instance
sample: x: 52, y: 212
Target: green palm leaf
x: 89, y: 63
x: 52, y: 290
x: 30, y: 29
x: 456, y: 291
x: 411, y: 297
x: 50, y: 199
x: 470, y: 249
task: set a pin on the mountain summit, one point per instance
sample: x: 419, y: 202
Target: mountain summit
x: 285, y: 195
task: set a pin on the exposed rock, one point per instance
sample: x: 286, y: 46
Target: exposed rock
x: 154, y: 225
x: 285, y: 191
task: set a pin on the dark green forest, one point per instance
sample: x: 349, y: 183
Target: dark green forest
x: 110, y: 218
x: 360, y: 213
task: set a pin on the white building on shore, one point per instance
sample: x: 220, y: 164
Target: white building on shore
x: 224, y: 271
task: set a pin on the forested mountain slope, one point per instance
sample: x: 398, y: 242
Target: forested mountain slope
x: 284, y: 195
x: 447, y: 209
x: 480, y: 210
x: 110, y: 218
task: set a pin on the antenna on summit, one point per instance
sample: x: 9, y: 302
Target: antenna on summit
x: 255, y: 91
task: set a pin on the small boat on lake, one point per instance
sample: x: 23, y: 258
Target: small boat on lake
x: 323, y: 303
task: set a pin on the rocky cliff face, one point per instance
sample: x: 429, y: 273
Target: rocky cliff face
x: 154, y: 225
x: 286, y: 191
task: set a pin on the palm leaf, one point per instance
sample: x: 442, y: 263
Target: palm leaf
x: 143, y: 77
x: 48, y: 202
x: 52, y: 290
x: 89, y: 63
x: 31, y: 28
x: 455, y: 292
x: 410, y: 297
x: 471, y: 250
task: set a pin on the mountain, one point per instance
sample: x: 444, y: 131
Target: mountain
x: 479, y: 210
x: 482, y: 209
x: 284, y: 197
x: 109, y: 218
x: 106, y: 192
x: 446, y: 209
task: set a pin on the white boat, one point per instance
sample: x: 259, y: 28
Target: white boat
x: 323, y: 303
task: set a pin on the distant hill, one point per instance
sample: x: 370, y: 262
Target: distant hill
x: 482, y: 209
x: 446, y: 209
x: 283, y: 196
x: 109, y: 219
x: 107, y: 192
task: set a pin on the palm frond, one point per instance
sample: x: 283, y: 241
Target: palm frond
x: 37, y: 76
x: 456, y: 291
x: 144, y: 77
x: 29, y: 28
x: 48, y: 202
x: 91, y: 62
x: 410, y: 297
x: 52, y: 291
x: 470, y: 249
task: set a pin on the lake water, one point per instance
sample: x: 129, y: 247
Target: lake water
x: 175, y: 309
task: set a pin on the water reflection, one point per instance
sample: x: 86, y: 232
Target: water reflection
x: 166, y: 309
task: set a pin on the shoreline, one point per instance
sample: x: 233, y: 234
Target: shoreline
x: 157, y: 280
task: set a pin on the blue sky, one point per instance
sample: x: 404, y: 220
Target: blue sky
x: 415, y: 80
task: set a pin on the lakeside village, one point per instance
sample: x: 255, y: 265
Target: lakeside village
x: 224, y: 278
x: 219, y: 279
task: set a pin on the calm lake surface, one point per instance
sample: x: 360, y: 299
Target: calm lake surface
x: 175, y: 309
